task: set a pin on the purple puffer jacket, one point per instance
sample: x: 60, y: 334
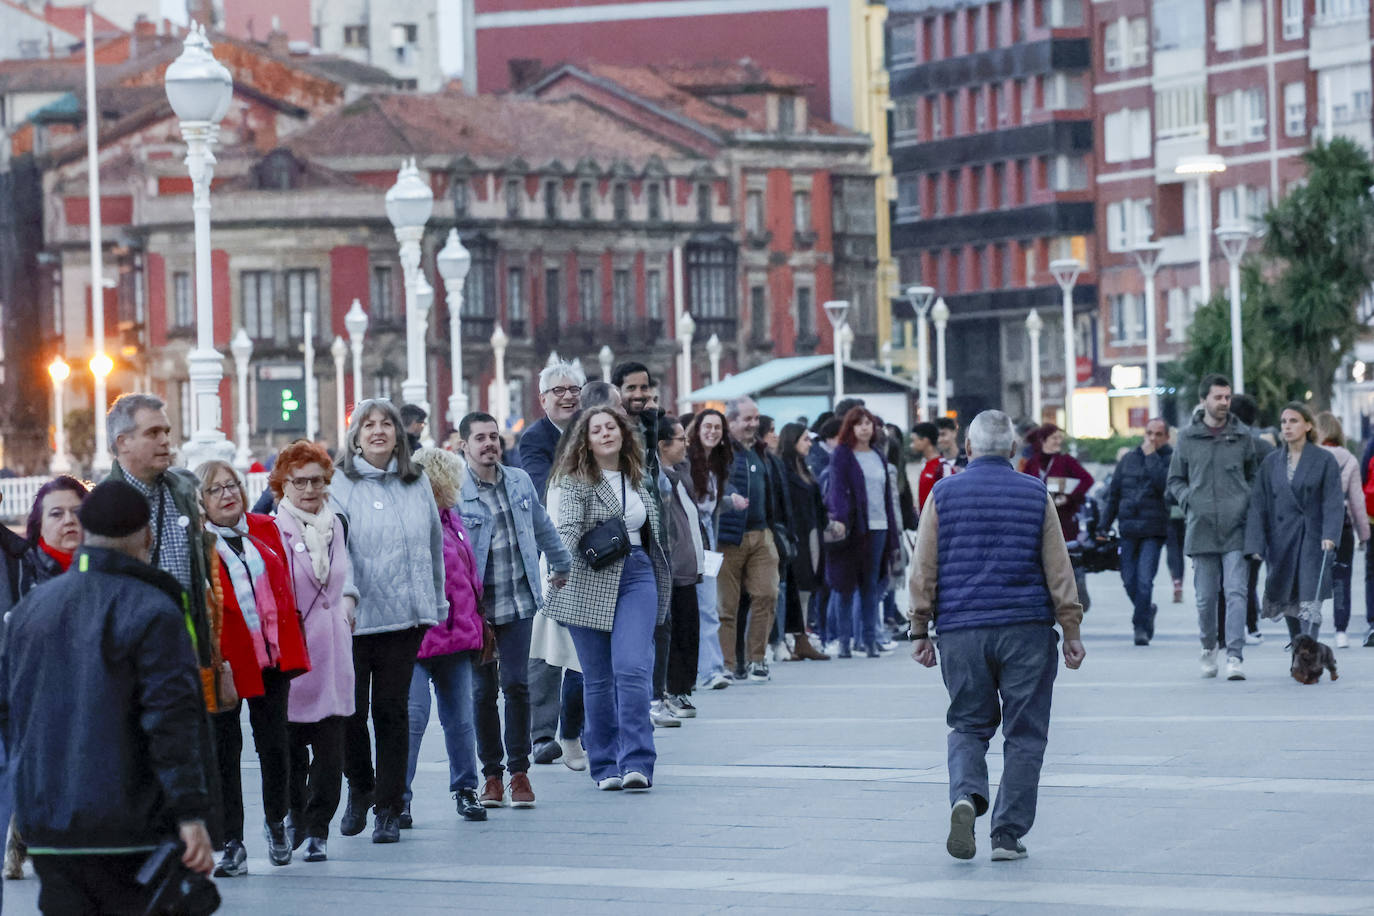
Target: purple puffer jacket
x: 462, y: 632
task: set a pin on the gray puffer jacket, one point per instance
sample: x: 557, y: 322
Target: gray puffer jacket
x: 1210, y: 478
x: 396, y: 543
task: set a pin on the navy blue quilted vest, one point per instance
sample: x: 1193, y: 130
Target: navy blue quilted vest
x: 991, y: 575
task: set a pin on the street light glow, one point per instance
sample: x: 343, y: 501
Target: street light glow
x: 59, y: 370
x: 101, y: 365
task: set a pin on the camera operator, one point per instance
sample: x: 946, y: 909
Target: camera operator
x: 101, y: 704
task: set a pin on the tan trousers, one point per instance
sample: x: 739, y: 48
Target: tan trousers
x: 754, y: 563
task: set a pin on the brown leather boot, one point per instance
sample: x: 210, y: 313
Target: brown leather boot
x: 802, y: 648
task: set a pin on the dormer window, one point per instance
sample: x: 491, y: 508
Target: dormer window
x: 787, y: 114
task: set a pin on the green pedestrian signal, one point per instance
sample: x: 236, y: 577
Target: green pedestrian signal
x: 289, y: 405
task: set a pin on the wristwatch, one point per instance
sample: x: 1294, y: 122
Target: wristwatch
x: 915, y: 636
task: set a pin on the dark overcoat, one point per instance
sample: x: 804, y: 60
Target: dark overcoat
x: 1288, y: 521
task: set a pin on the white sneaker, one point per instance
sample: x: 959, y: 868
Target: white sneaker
x: 662, y: 716
x: 832, y: 648
x: 1342, y: 641
x: 635, y: 780
x: 1254, y: 638
x: 610, y: 784
x: 1209, y: 662
x: 1234, y: 672
x: 574, y: 757
x: 781, y: 653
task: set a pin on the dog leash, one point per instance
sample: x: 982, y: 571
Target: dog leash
x: 1321, y: 578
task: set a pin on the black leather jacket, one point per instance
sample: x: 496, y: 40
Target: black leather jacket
x: 101, y: 706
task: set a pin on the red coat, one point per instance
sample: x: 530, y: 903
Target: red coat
x: 236, y: 642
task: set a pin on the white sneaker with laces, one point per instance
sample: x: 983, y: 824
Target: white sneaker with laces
x: 1342, y: 641
x: 1234, y: 672
x: 662, y: 716
x: 1254, y: 638
x: 1209, y: 662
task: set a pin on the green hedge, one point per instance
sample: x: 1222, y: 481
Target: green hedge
x: 1103, y: 451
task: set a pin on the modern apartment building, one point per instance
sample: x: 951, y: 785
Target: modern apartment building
x: 993, y: 155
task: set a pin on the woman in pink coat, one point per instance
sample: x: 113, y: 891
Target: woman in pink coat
x: 450, y: 650
x: 316, y: 542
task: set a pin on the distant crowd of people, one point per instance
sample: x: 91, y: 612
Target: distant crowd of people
x: 560, y: 597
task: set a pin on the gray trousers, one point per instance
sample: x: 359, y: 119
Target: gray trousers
x: 546, y: 687
x: 1213, y: 573
x: 999, y: 675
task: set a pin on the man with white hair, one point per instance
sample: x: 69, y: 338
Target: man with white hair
x: 992, y: 572
x: 560, y: 387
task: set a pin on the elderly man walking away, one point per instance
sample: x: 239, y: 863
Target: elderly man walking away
x: 101, y: 699
x: 1210, y: 477
x: 992, y: 572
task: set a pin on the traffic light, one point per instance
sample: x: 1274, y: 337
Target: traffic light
x: 289, y: 406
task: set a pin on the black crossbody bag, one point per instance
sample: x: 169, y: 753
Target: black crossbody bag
x: 608, y: 541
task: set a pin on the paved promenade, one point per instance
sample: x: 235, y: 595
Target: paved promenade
x: 825, y: 792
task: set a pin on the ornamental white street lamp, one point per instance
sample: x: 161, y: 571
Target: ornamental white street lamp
x: 356, y: 324
x: 606, y: 358
x: 1233, y: 238
x: 454, y: 261
x: 339, y: 350
x: 408, y: 205
x: 424, y: 301
x: 686, y: 327
x: 1066, y: 271
x: 1147, y: 256
x: 940, y: 314
x: 836, y: 310
x: 61, y: 461
x: 847, y: 342
x: 713, y: 352
x: 1033, y: 327
x: 885, y: 351
x: 1203, y: 168
x: 200, y: 89
x: 312, y: 403
x: 242, y: 348
x: 920, y: 298
x: 501, y: 409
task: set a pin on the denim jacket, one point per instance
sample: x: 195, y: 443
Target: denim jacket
x: 533, y: 530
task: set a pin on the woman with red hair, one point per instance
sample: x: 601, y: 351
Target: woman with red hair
x: 316, y: 543
x: 1068, y: 482
x: 859, y: 502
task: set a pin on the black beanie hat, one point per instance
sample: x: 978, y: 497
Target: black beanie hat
x: 114, y: 510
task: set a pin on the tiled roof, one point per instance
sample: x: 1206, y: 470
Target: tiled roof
x: 729, y: 77
x: 41, y: 75
x: 72, y: 19
x: 481, y: 127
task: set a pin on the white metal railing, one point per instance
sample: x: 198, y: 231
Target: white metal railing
x: 20, y: 492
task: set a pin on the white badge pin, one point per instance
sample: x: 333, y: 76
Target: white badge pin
x: 183, y: 521
x: 300, y: 548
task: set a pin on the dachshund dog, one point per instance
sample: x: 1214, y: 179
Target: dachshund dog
x: 1309, y: 658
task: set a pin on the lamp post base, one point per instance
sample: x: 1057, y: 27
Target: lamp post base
x: 457, y: 408
x: 207, y: 443
x: 416, y: 392
x: 198, y: 451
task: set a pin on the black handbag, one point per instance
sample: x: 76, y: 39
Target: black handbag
x: 785, y: 542
x: 608, y: 541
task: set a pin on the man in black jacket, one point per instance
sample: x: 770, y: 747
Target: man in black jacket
x: 1136, y: 500
x: 101, y: 706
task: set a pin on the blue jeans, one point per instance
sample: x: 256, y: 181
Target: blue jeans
x: 617, y: 674
x: 1228, y: 574
x: 999, y: 675
x: 867, y: 599
x: 1139, y: 565
x: 570, y: 723
x: 452, y: 677
x: 710, y: 658
x: 511, y: 672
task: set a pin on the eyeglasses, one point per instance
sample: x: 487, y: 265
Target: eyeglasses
x: 215, y: 491
x: 303, y: 483
x: 677, y: 438
x: 559, y: 391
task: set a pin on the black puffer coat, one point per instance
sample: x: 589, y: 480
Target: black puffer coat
x: 1136, y: 496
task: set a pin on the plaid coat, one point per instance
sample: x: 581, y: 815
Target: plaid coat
x: 589, y: 598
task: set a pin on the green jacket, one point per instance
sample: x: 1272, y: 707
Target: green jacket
x: 186, y: 497
x: 1210, y: 478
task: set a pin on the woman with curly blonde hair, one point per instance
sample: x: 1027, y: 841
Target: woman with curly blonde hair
x: 449, y: 650
x: 316, y: 541
x: 611, y: 611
